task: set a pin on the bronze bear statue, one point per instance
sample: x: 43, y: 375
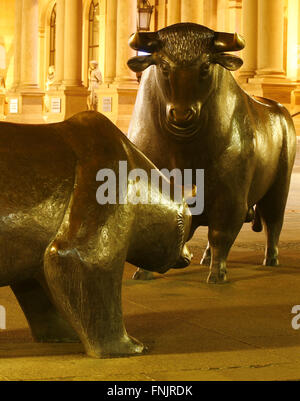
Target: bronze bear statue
x: 62, y: 251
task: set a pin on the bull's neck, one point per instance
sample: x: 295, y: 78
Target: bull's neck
x: 146, y: 123
x: 223, y: 99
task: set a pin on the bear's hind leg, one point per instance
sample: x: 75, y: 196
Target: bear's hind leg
x: 46, y: 323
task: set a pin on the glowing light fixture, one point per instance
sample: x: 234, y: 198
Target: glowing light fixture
x: 144, y: 13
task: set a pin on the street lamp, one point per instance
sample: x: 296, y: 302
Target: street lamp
x: 144, y: 12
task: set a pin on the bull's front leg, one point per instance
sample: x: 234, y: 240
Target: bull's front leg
x: 206, y: 258
x: 221, y: 237
x: 141, y: 274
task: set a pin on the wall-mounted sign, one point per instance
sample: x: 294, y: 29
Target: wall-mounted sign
x: 55, y: 105
x: 13, y: 106
x: 107, y: 104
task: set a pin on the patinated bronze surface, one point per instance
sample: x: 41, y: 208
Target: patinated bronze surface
x: 63, y: 253
x: 191, y: 114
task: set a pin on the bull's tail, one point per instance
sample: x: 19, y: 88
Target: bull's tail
x: 256, y: 222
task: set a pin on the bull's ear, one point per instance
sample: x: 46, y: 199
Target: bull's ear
x: 228, y: 61
x: 140, y: 63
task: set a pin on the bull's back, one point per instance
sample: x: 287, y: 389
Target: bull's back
x: 275, y: 143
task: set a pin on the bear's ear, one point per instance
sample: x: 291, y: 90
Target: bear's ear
x: 140, y: 63
x: 228, y: 61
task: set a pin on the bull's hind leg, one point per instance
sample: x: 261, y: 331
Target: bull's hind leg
x: 222, y: 232
x: 271, y: 209
x: 89, y: 295
x: 46, y: 323
x: 141, y: 274
x: 206, y: 258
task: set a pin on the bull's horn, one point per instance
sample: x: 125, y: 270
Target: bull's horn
x: 228, y: 42
x: 145, y: 41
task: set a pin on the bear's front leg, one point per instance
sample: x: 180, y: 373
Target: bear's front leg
x: 88, y: 292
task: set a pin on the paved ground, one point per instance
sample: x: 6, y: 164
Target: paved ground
x: 238, y: 331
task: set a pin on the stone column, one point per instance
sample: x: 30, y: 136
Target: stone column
x: 295, y: 49
x: 235, y: 15
x: 59, y: 42
x: 70, y: 97
x: 223, y: 16
x: 250, y: 26
x: 192, y: 11
x: 210, y: 8
x: 26, y: 105
x: 270, y: 38
x: 174, y: 16
x: 124, y: 90
x: 17, y: 44
x: 126, y: 25
x: 298, y: 66
x: 270, y: 77
x: 29, y: 54
x: 73, y: 43
x: 111, y: 41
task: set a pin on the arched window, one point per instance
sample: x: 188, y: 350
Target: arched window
x: 94, y: 15
x: 52, y: 36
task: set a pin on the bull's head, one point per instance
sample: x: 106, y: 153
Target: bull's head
x: 186, y: 56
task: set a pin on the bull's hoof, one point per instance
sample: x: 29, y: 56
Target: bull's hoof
x: 217, y: 278
x: 271, y: 262
x: 141, y: 274
x: 127, y: 346
x: 205, y: 261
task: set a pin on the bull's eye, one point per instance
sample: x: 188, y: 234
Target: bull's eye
x: 204, y: 70
x: 165, y: 69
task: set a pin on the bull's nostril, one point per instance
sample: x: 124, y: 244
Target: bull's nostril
x: 180, y: 117
x: 173, y: 114
x: 189, y: 115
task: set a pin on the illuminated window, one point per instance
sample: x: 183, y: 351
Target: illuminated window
x: 94, y: 31
x: 52, y: 36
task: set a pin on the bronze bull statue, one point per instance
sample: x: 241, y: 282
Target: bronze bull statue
x: 190, y: 113
x: 62, y: 252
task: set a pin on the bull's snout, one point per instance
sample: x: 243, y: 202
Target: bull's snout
x: 181, y: 117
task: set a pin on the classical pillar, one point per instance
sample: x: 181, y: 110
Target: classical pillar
x: 122, y: 93
x: 73, y: 43
x: 294, y: 53
x: 192, y: 11
x: 126, y: 25
x: 29, y: 54
x: 270, y: 78
x: 26, y: 105
x: 17, y: 44
x: 111, y: 41
x: 250, y: 25
x: 235, y: 15
x: 59, y: 42
x: 223, y: 15
x: 270, y: 38
x: 210, y: 13
x: 174, y: 12
x: 67, y: 96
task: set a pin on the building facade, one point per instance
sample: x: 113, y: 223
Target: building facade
x: 46, y: 47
